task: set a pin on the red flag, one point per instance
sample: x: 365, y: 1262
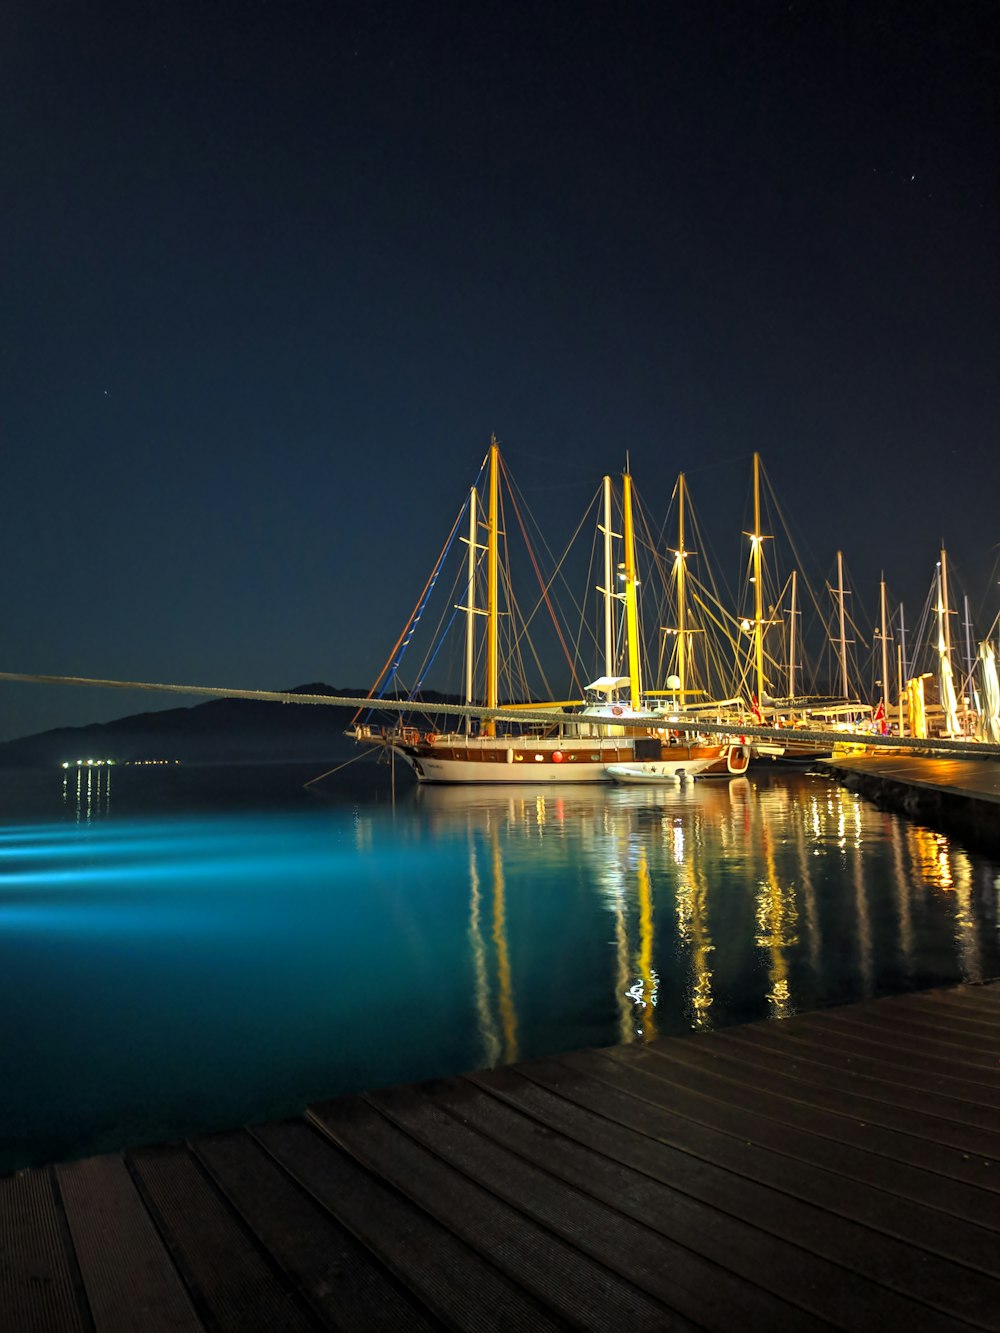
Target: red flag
x: 878, y: 717
x: 755, y: 709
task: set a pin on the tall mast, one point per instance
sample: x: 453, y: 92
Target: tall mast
x: 631, y: 599
x: 843, y: 626
x: 945, y: 609
x: 758, y: 588
x: 470, y: 607
x: 970, y: 676
x: 885, y: 651
x: 609, y: 640
x: 492, y: 579
x: 681, y: 593
x: 902, y: 640
x: 948, y: 700
x: 791, y: 638
x: 901, y: 688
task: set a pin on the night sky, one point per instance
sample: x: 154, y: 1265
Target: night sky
x: 272, y: 273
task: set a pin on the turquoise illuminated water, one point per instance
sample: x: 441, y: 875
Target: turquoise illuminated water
x: 190, y: 949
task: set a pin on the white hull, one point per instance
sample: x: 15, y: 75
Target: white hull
x: 670, y: 771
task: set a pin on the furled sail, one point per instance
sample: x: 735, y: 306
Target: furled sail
x: 949, y: 702
x: 989, y: 717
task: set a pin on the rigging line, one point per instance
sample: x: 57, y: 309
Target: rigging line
x: 428, y: 663
x: 576, y: 603
x: 439, y: 634
x: 541, y: 583
x: 402, y: 643
x: 330, y: 771
x: 516, y: 490
x: 421, y: 600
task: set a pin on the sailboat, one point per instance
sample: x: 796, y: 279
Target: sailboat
x: 611, y: 727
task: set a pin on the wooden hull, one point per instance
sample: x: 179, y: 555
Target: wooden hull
x: 514, y: 760
x: 537, y: 760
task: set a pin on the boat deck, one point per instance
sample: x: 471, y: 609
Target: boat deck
x: 838, y: 1169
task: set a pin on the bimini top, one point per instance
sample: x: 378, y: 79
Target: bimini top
x: 607, y: 684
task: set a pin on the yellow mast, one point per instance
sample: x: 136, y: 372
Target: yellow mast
x: 844, y: 685
x: 758, y: 586
x: 609, y: 640
x: 470, y: 607
x: 492, y: 613
x: 631, y: 602
x: 681, y: 592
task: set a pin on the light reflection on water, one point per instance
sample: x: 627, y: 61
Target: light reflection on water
x: 160, y: 976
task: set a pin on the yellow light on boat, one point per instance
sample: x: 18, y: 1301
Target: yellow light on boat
x: 745, y: 626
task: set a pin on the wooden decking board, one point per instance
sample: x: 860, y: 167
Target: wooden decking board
x: 131, y: 1282
x: 971, y: 1102
x: 852, y: 1118
x: 690, y: 1264
x: 953, y: 1020
x: 877, y: 1241
x: 451, y: 1278
x: 967, y: 1006
x: 582, y: 1200
x: 834, y: 1143
x: 552, y: 1270
x: 338, y: 1275
x: 917, y: 1057
x: 38, y: 1281
x: 868, y: 1077
x: 952, y: 1041
x: 977, y: 779
x: 958, y: 1221
x: 929, y: 1047
x: 235, y: 1282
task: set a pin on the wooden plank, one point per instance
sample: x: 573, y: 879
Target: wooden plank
x: 975, y: 1004
x: 958, y: 1152
x: 553, y: 1272
x: 131, y: 1282
x: 873, y: 1247
x: 927, y: 1032
x: 580, y: 1202
x: 338, y: 1275
x: 449, y: 1277
x: 912, y: 1044
x: 833, y: 1142
x: 959, y: 1018
x: 827, y: 1065
x: 866, y: 1187
x: 974, y: 779
x: 230, y: 1279
x: 972, y: 1102
x: 38, y: 1278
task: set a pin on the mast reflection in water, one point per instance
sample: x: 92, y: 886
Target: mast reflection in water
x: 162, y: 976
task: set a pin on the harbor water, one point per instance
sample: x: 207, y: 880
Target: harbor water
x: 192, y: 949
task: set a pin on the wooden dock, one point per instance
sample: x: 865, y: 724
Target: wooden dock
x: 839, y: 1169
x: 959, y: 796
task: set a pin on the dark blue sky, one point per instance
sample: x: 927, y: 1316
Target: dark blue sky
x: 273, y: 272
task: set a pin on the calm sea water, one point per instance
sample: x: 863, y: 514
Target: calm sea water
x: 188, y: 949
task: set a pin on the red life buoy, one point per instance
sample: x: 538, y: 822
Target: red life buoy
x: 431, y: 738
x: 617, y: 711
x: 557, y: 757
